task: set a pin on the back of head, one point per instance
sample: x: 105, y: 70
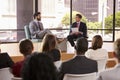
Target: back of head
x: 117, y: 48
x: 81, y: 45
x: 49, y: 43
x: 40, y: 67
x: 26, y: 47
x: 97, y: 42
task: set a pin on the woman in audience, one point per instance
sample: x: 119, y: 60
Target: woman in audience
x: 96, y: 51
x: 26, y: 48
x: 39, y: 67
x: 49, y: 47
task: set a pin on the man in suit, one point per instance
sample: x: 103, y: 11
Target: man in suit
x: 36, y: 27
x: 82, y: 30
x: 79, y: 64
x: 112, y: 74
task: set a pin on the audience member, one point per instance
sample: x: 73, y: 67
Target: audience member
x: 79, y: 64
x: 26, y: 48
x: 49, y: 47
x: 77, y: 30
x: 112, y: 74
x: 96, y: 52
x: 39, y: 67
x: 36, y: 27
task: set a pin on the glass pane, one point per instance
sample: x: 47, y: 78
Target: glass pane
x: 8, y: 36
x: 55, y: 13
x: 117, y: 22
x: 108, y: 36
x: 8, y: 14
x: 95, y: 14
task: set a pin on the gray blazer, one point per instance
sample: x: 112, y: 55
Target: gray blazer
x: 35, y: 29
x: 111, y: 74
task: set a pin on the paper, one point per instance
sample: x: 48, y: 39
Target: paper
x: 74, y: 29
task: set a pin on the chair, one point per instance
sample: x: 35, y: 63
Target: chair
x: 28, y: 34
x: 5, y: 74
x: 101, y: 64
x: 89, y: 76
x: 16, y: 78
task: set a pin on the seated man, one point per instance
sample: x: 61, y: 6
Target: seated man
x: 36, y: 27
x: 78, y: 29
x: 79, y: 64
x: 112, y: 74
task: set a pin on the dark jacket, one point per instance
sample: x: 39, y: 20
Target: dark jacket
x: 82, y: 28
x: 78, y: 65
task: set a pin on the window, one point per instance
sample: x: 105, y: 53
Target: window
x: 7, y: 20
x: 14, y: 15
x: 95, y: 13
x: 55, y: 14
x: 98, y: 15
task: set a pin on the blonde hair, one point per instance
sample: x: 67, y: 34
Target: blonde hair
x: 49, y: 43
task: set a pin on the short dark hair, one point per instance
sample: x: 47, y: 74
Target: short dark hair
x: 79, y: 15
x: 36, y: 14
x: 26, y: 47
x: 81, y: 45
x: 39, y: 67
x: 97, y: 42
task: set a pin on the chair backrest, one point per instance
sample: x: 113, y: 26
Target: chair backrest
x: 89, y: 76
x: 16, y: 78
x: 101, y: 64
x: 27, y: 32
x: 5, y: 74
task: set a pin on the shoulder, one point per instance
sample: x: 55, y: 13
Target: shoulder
x: 107, y: 72
x: 91, y: 61
x: 89, y: 51
x: 32, y: 22
x: 68, y: 62
x: 19, y: 63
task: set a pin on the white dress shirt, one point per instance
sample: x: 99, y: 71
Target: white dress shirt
x: 97, y: 54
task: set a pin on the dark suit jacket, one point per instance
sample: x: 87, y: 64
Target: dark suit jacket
x: 82, y: 28
x: 5, y: 61
x: 78, y: 65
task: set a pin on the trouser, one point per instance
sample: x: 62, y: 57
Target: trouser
x: 42, y: 33
x: 73, y: 37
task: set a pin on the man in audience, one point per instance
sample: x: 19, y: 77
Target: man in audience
x: 79, y: 64
x: 36, y: 27
x: 26, y: 48
x: 112, y: 74
x: 78, y: 29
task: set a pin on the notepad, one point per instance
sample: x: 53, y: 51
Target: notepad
x: 74, y: 29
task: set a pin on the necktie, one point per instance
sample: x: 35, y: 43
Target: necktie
x: 39, y: 27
